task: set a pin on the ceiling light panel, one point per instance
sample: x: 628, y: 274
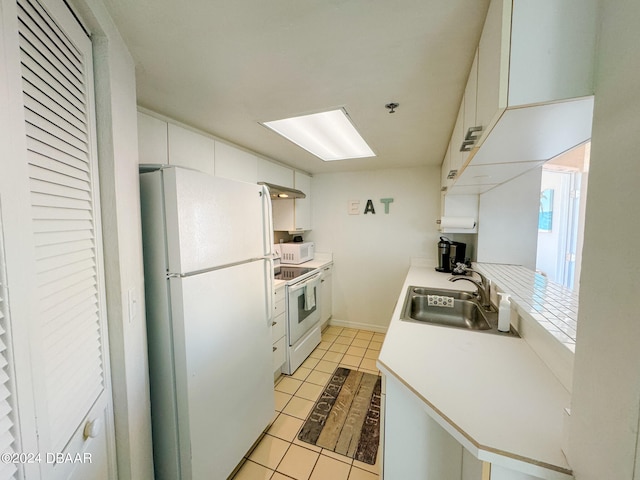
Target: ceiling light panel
x: 327, y: 135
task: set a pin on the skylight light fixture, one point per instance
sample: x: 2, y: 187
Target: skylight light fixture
x: 327, y: 135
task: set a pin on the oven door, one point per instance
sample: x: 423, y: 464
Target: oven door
x: 303, y: 306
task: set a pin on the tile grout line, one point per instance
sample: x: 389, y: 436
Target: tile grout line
x: 329, y: 343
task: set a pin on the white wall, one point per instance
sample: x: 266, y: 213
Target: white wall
x: 372, y: 252
x: 120, y: 199
x: 603, y: 433
x: 508, y: 221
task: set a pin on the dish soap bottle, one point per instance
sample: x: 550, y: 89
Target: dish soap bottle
x: 504, y: 313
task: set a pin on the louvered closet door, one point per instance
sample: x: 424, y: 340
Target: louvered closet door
x: 7, y: 396
x: 58, y: 106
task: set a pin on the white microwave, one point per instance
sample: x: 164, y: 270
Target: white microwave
x: 296, y: 252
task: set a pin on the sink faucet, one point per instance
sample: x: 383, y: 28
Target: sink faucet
x: 483, y: 279
x: 483, y: 292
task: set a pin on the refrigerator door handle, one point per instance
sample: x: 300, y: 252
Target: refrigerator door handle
x: 268, y: 272
x: 267, y: 221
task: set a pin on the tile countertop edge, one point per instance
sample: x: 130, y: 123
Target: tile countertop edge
x: 401, y: 357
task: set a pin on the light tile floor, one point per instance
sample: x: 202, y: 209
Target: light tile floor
x: 280, y: 455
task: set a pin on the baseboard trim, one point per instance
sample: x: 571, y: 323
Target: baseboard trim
x: 358, y: 325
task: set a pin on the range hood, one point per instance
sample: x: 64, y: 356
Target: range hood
x: 282, y: 193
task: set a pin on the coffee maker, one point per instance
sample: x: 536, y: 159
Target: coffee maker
x: 450, y: 253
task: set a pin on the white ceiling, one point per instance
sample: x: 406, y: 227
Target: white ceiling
x: 224, y: 66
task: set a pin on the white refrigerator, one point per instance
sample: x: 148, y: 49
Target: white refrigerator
x: 208, y: 290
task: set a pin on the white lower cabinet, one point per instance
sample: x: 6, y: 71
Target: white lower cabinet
x: 278, y: 330
x: 326, y: 293
x: 471, y: 466
x: 417, y: 446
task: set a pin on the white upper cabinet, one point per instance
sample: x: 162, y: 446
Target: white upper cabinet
x: 529, y: 90
x: 456, y: 142
x: 552, y: 50
x: 236, y: 164
x: 493, y: 65
x: 302, y: 206
x: 471, y: 130
x: 445, y: 181
x: 270, y: 172
x: 191, y: 149
x: 294, y: 215
x: 152, y: 140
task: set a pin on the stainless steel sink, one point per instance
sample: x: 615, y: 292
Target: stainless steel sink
x: 458, y: 294
x: 466, y: 312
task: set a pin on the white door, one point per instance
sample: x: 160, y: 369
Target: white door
x: 8, y: 412
x: 214, y: 221
x: 224, y: 380
x: 68, y: 339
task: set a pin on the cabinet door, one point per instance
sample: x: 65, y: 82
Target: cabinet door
x: 493, y: 65
x: 552, y: 45
x: 445, y: 182
x: 283, y: 215
x: 469, y: 117
x: 279, y: 355
x: 326, y: 295
x: 415, y: 446
x: 231, y: 162
x: 190, y: 149
x: 152, y: 139
x: 302, y: 206
x: 273, y: 173
x: 456, y: 142
x: 472, y: 468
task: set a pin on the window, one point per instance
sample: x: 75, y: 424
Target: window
x: 561, y: 219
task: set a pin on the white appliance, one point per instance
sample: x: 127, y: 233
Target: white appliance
x: 302, y: 309
x: 296, y: 252
x: 209, y: 288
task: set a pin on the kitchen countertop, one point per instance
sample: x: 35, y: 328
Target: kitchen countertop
x: 492, y: 393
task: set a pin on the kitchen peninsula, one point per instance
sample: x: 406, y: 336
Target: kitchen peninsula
x: 464, y: 404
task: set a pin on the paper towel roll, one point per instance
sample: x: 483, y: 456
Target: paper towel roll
x: 458, y: 222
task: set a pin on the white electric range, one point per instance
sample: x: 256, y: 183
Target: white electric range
x: 302, y: 307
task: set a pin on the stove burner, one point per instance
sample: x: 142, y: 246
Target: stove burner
x: 289, y: 273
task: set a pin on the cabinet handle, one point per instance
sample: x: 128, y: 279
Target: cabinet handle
x: 466, y: 145
x: 327, y: 268
x: 470, y: 138
x: 321, y: 281
x: 452, y: 174
x: 273, y: 324
x: 470, y: 133
x: 275, y: 348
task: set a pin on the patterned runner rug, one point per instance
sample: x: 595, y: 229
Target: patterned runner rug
x: 346, y: 416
